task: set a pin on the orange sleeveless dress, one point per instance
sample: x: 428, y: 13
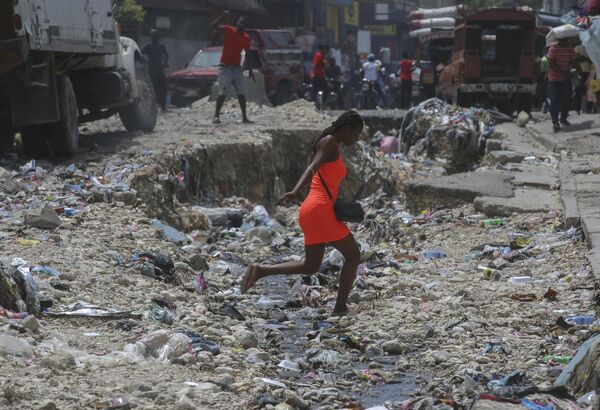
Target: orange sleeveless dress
x: 317, y: 219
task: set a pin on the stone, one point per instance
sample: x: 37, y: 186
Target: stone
x: 127, y: 197
x: 206, y: 387
x: 31, y: 323
x: 440, y: 356
x: 192, y: 221
x: 10, y: 186
x: 47, y: 405
x: 374, y: 350
x: 225, y: 380
x: 429, y: 332
x: 43, y: 218
x: 247, y: 339
x: 58, y: 361
x: 186, y: 403
x: 393, y: 347
x: 283, y: 406
x: 295, y: 400
x: 198, y: 262
x: 277, y: 314
x: 259, y: 234
x: 524, y: 200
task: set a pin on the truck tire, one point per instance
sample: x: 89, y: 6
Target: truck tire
x: 141, y: 115
x: 64, y: 134
x: 34, y: 141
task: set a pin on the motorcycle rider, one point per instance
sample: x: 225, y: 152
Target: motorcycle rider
x: 371, y: 71
x: 333, y: 72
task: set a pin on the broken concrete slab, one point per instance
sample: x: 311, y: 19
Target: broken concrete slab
x: 534, y: 175
x: 457, y: 189
x: 43, y: 218
x: 524, y: 200
x: 582, y: 374
x: 505, y: 156
x: 581, y: 136
x: 568, y: 194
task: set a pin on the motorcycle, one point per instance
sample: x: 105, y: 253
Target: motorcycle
x: 330, y: 100
x: 306, y: 90
x: 368, y: 96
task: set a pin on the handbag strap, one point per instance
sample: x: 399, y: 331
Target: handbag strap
x: 325, y: 185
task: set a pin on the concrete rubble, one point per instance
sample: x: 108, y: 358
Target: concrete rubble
x: 469, y: 282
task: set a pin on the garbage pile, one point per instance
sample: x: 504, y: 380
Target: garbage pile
x: 437, y: 129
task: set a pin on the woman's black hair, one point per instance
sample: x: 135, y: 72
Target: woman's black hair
x: 349, y: 118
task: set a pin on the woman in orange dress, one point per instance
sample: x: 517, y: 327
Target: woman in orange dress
x: 317, y: 218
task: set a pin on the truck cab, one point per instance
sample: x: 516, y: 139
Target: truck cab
x: 493, y: 61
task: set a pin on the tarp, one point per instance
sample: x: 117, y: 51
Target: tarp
x: 591, y: 41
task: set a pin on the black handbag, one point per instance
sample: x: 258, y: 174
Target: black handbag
x: 345, y: 211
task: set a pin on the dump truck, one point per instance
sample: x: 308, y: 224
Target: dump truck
x: 62, y: 63
x: 493, y: 61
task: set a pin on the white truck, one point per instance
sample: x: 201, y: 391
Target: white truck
x: 62, y: 63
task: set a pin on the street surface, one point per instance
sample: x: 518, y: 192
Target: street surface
x: 465, y: 278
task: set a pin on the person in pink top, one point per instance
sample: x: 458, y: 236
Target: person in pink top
x: 561, y: 58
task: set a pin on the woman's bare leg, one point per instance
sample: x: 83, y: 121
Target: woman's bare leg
x: 310, y: 264
x: 349, y: 249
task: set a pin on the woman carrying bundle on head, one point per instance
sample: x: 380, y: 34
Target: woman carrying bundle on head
x: 317, y: 217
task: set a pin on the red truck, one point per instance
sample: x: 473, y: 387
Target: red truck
x: 493, y: 61
x: 274, y: 53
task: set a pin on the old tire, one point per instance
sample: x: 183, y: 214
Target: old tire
x: 64, y: 134
x: 34, y: 141
x: 141, y: 115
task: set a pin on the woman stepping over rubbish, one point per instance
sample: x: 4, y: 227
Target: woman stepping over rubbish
x: 322, y: 225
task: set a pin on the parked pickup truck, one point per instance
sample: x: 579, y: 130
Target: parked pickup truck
x: 274, y: 53
x: 63, y: 62
x: 493, y: 61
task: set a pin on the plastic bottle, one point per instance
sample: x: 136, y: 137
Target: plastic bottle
x: 27, y: 242
x: 434, y: 254
x: 492, y: 223
x: 557, y: 359
x: 581, y: 320
x: 46, y: 270
x: 521, y: 279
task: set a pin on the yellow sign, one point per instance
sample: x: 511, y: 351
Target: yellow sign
x: 351, y: 15
x: 381, y: 29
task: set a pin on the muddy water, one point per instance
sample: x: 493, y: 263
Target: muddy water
x: 397, y: 388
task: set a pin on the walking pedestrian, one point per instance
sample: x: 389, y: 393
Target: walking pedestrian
x: 318, y: 71
x: 561, y: 58
x: 158, y: 59
x: 544, y: 81
x: 317, y: 218
x: 371, y: 69
x: 235, y: 39
x: 406, y: 69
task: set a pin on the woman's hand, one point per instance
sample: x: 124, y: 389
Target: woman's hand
x: 287, y: 197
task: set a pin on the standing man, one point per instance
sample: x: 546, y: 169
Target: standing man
x: 235, y: 39
x: 544, y: 77
x: 561, y: 58
x: 371, y: 69
x: 406, y: 69
x: 158, y: 59
x: 318, y: 70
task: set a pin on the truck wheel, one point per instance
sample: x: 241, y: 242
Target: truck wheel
x: 141, y: 115
x: 34, y: 141
x: 64, y: 134
x: 7, y: 134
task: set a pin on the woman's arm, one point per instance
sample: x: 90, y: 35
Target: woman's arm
x: 326, y: 148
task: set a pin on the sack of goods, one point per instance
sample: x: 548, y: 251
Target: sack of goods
x: 566, y: 31
x: 451, y: 11
x: 442, y: 22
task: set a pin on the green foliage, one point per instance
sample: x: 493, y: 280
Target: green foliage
x: 128, y: 10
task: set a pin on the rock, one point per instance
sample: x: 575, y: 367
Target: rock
x: 522, y: 119
x: 206, y: 387
x: 582, y: 374
x: 283, y: 406
x: 259, y: 234
x: 10, y: 186
x: 127, y: 197
x: 429, y: 332
x: 192, y: 221
x: 277, y: 314
x: 185, y: 402
x: 374, y: 350
x: 58, y: 361
x: 43, y: 218
x: 225, y: 380
x: 198, y: 262
x: 393, y: 347
x: 440, y: 356
x: 13, y: 346
x: 47, y: 405
x: 247, y: 339
x: 295, y: 401
x: 31, y: 323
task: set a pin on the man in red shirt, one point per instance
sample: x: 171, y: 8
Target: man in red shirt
x: 235, y: 39
x: 406, y: 69
x: 318, y: 70
x: 561, y: 58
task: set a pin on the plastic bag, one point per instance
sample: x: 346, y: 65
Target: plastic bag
x: 565, y: 31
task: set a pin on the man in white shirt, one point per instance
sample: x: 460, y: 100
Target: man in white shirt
x: 371, y: 73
